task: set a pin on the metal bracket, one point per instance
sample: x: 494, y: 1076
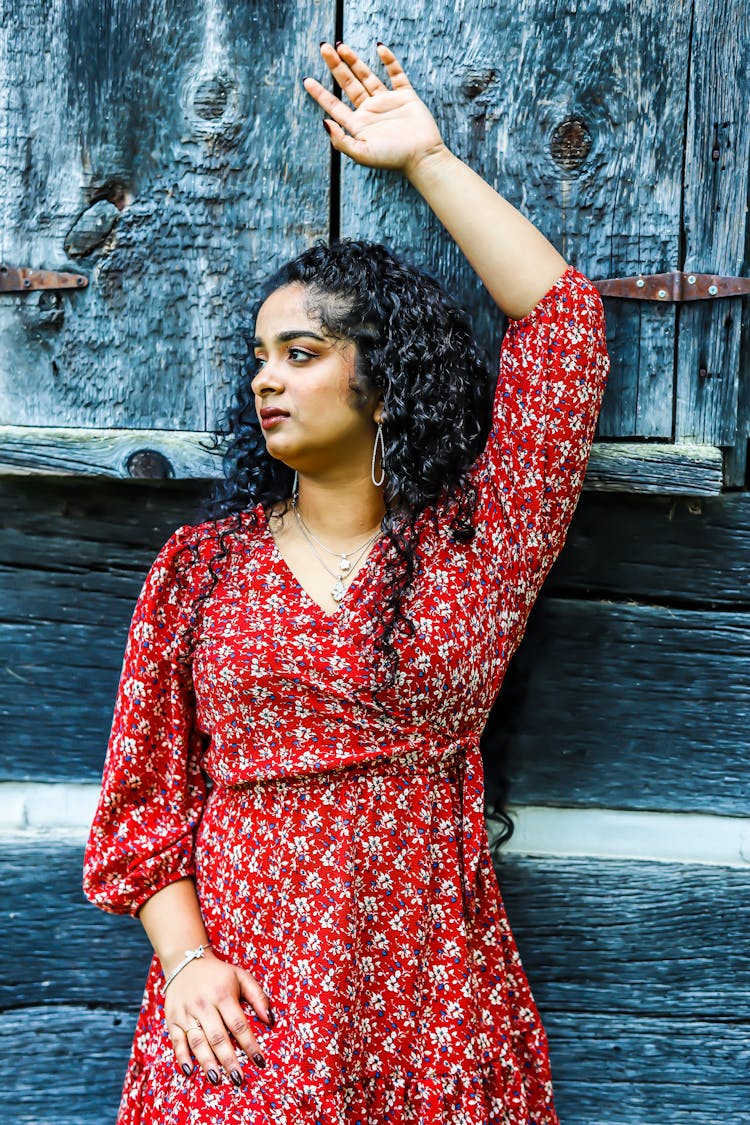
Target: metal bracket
x: 22, y: 279
x: 675, y: 286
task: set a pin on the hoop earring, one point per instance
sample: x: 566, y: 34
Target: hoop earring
x: 378, y: 439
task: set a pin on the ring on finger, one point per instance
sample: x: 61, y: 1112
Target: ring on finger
x: 193, y: 1027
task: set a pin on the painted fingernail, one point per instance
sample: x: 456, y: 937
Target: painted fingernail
x: 236, y: 1077
x: 339, y: 42
x: 187, y: 1069
x: 381, y: 43
x: 213, y: 1077
x: 259, y: 1061
x: 271, y: 1017
x: 327, y: 128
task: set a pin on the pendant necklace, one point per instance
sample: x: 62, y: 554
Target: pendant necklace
x: 348, y: 560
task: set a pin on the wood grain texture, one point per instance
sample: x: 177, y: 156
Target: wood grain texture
x: 640, y: 971
x: 715, y: 202
x: 677, y: 470
x: 689, y: 553
x: 693, y: 470
x: 622, y: 705
x: 509, y: 80
x: 126, y: 454
x: 159, y: 109
x: 63, y: 1065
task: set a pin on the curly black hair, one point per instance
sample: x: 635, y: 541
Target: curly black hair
x: 414, y: 345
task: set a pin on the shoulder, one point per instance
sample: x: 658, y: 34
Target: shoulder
x: 193, y: 549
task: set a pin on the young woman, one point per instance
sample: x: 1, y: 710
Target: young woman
x: 292, y: 801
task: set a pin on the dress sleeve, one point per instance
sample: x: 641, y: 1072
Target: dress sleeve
x: 152, y: 792
x: 553, y: 370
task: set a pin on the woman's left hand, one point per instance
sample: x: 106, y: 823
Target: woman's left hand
x: 387, y: 128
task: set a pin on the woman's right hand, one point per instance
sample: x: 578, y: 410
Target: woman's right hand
x: 202, y: 1010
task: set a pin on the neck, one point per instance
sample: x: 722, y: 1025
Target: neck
x: 341, y: 514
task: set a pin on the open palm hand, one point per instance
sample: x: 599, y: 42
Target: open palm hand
x: 386, y: 128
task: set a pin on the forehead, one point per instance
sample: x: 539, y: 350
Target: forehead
x: 285, y: 308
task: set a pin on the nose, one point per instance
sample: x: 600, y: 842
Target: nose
x: 267, y: 379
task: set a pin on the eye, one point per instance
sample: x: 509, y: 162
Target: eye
x: 299, y: 355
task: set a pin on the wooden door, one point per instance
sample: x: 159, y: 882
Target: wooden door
x: 622, y: 131
x: 163, y: 150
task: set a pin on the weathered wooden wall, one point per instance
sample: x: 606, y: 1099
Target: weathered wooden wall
x: 166, y: 150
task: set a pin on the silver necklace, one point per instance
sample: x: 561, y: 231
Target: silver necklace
x: 348, y: 560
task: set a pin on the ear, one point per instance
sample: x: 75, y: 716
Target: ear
x: 377, y: 415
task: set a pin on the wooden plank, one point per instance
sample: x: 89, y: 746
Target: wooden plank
x: 537, y: 101
x: 717, y: 159
x: 664, y: 1071
x: 151, y: 454
x: 680, y: 470
x: 79, y: 954
x: 62, y: 1065
x: 654, y: 940
x: 693, y: 470
x: 627, y: 706
x: 72, y: 560
x: 692, y: 553
x: 216, y: 176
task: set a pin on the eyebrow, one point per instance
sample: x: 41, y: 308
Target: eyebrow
x: 291, y: 334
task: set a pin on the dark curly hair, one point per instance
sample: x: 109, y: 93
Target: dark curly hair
x: 414, y: 345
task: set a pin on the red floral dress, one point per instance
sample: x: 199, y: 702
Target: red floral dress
x: 340, y: 851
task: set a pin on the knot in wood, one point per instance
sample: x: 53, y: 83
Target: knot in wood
x: 571, y: 143
x: 148, y: 464
x: 211, y: 95
x: 476, y: 82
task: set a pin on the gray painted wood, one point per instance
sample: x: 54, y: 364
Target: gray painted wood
x: 538, y: 100
x: 679, y: 470
x: 613, y: 1071
x: 126, y: 454
x: 641, y: 972
x: 690, y: 553
x: 63, y: 1065
x: 629, y: 706
x: 693, y: 470
x: 715, y: 217
x: 216, y: 174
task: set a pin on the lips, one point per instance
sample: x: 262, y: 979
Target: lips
x: 270, y: 416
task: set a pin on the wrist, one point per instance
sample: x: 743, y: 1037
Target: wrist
x: 428, y: 165
x: 171, y: 959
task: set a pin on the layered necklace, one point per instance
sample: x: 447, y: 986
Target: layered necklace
x: 348, y: 560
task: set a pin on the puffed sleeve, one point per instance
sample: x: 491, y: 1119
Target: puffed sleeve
x: 553, y: 370
x: 152, y: 792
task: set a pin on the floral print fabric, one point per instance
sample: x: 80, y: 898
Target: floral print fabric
x: 339, y: 848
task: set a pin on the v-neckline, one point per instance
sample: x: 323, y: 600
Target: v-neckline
x: 283, y: 566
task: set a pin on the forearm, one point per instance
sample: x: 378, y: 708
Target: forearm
x: 173, y: 921
x: 517, y: 264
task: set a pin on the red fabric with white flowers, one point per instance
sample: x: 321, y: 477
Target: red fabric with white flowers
x: 340, y: 853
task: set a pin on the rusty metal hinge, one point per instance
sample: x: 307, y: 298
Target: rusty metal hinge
x: 22, y: 279
x: 675, y: 286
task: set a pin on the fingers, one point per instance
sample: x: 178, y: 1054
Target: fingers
x: 352, y: 74
x: 332, y: 105
x: 208, y: 1039
x: 399, y: 81
x: 252, y: 992
x: 181, y: 1049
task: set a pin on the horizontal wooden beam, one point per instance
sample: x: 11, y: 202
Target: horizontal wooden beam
x: 679, y: 470
x: 689, y: 470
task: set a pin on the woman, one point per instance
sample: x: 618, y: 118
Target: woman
x: 330, y: 943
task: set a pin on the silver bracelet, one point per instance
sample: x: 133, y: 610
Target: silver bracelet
x: 190, y: 955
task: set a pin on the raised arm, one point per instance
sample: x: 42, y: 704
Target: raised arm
x: 393, y: 128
